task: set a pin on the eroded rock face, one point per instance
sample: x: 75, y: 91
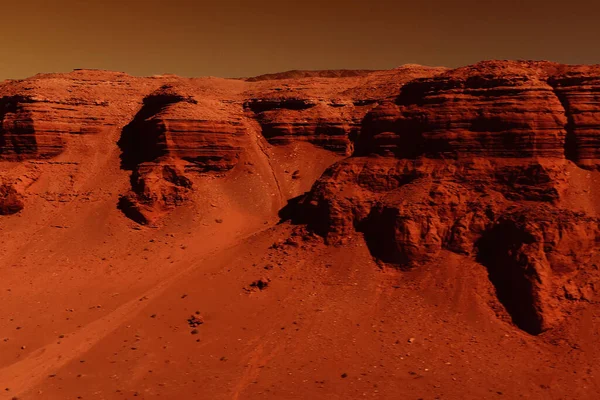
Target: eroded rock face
x: 578, y: 89
x: 155, y: 189
x: 325, y: 109
x: 477, y: 161
x: 541, y: 259
x: 490, y: 110
x: 172, y: 123
x: 175, y: 133
x: 539, y: 256
x: 204, y: 130
x: 331, y: 125
x: 18, y: 136
x: 33, y: 127
x: 202, y: 125
x: 38, y: 116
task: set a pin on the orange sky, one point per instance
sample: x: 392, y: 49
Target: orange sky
x: 249, y: 37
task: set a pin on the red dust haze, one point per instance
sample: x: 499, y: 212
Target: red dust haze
x: 231, y: 38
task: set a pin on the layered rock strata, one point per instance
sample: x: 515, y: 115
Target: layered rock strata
x: 477, y: 161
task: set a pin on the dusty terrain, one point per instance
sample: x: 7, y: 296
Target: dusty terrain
x: 418, y: 233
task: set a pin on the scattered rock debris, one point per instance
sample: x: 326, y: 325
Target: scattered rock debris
x: 260, y: 284
x: 195, y: 321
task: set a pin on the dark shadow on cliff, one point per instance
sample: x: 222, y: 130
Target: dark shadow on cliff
x: 499, y: 250
x: 295, y: 211
x: 138, y: 142
x: 571, y: 146
x: 379, y: 230
x: 302, y: 211
x: 143, y: 139
x: 131, y: 210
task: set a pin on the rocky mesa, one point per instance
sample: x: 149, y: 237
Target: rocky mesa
x: 490, y: 161
x: 496, y: 162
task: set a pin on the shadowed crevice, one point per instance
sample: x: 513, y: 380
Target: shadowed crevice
x: 509, y: 269
x: 143, y: 139
x: 379, y: 230
x: 571, y: 144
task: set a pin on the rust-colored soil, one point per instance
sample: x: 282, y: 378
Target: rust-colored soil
x: 416, y: 233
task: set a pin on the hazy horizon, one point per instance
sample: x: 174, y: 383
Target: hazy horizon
x: 235, y: 38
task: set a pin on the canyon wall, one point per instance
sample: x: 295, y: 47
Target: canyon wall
x: 496, y: 161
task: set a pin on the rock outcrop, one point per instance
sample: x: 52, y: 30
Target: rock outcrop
x: 19, y: 136
x: 327, y: 110
x: 39, y: 115
x: 332, y: 125
x: 174, y: 133
x: 155, y: 189
x: 578, y: 89
x: 477, y: 161
x: 207, y: 133
x: 480, y: 161
x: 11, y: 201
x: 490, y: 110
x: 411, y: 210
x: 33, y: 127
x: 203, y: 130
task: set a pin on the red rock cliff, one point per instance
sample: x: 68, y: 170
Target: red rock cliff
x: 478, y: 161
x: 495, y: 161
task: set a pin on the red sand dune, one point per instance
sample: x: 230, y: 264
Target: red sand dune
x: 418, y: 233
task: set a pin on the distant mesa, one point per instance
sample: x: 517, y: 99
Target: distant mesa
x: 299, y: 74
